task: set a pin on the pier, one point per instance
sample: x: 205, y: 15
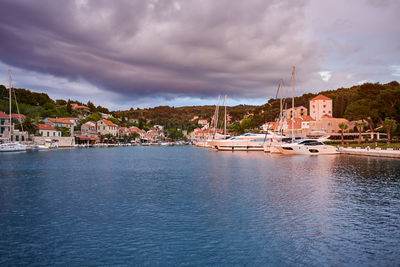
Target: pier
x: 367, y: 151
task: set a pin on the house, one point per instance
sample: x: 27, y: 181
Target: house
x: 16, y: 135
x: 107, y: 127
x: 48, y: 131
x: 297, y: 111
x: 74, y: 120
x: 134, y: 129
x: 61, y: 122
x: 319, y: 106
x: 80, y: 108
x: 122, y: 131
x: 89, y: 129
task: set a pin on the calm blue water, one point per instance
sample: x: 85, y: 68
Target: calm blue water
x: 191, y: 206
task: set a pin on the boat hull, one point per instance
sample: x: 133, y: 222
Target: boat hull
x: 308, y: 150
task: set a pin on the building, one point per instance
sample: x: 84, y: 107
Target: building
x: 135, y: 129
x: 74, y: 120
x: 122, y: 131
x: 16, y: 135
x: 107, y: 127
x: 327, y: 124
x: 319, y: 106
x: 61, y: 122
x: 47, y: 130
x: 298, y: 112
x: 80, y: 108
x: 89, y: 129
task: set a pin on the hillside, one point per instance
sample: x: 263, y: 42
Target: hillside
x: 370, y: 101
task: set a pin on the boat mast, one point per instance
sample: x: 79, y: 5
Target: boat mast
x: 293, y: 105
x: 216, y: 117
x: 9, y: 100
x: 225, y: 117
x: 280, y: 111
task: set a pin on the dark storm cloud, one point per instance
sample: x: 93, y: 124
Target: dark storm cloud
x: 197, y: 48
x: 200, y: 48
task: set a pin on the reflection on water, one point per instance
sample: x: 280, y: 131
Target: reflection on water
x: 185, y: 205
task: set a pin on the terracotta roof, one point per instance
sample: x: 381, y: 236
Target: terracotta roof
x: 306, y: 118
x: 82, y: 137
x: 17, y: 116
x: 46, y: 127
x: 60, y: 120
x: 327, y: 116
x: 74, y: 106
x: 109, y: 123
x: 135, y: 129
x: 321, y: 97
x: 13, y: 115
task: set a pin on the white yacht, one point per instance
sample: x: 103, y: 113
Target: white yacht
x: 244, y: 142
x: 307, y: 147
x: 12, y: 147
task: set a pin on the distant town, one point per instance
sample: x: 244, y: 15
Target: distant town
x: 364, y: 112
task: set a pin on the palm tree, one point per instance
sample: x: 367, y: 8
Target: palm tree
x: 342, y: 126
x: 360, y: 127
x: 390, y: 126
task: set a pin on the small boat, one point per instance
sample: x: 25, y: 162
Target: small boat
x: 307, y: 147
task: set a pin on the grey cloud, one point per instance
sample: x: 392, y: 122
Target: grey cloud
x: 195, y: 48
x: 191, y: 48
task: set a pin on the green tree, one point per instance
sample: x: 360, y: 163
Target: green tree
x: 64, y: 131
x: 390, y: 126
x: 91, y: 106
x: 27, y: 125
x: 360, y: 128
x: 343, y: 127
x: 69, y: 107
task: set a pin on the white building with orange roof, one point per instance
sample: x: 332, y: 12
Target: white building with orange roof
x: 319, y: 106
x: 107, y: 127
x: 61, y: 122
x: 47, y: 130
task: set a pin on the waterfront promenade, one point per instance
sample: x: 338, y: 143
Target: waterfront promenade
x: 376, y: 152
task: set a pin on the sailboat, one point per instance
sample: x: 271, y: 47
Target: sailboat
x: 9, y: 145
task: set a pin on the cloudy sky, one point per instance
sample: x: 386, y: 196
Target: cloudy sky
x: 145, y: 53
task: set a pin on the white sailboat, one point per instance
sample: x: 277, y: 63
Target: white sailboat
x: 9, y: 145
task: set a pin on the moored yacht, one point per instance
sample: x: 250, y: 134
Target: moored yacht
x: 244, y: 142
x: 307, y: 147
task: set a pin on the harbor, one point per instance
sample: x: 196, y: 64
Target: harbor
x: 182, y: 204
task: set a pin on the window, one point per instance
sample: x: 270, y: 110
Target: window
x: 329, y: 111
x: 16, y: 138
x: 47, y: 133
x: 313, y: 106
x: 54, y: 134
x: 23, y: 138
x: 324, y: 106
x: 104, y: 127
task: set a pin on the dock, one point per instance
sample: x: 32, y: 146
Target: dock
x: 367, y: 151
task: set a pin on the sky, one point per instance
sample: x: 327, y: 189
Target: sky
x: 146, y: 53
